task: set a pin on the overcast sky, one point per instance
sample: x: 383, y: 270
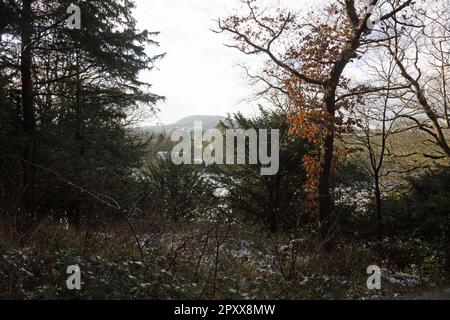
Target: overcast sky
x: 199, y: 74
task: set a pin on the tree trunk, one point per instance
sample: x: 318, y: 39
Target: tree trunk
x: 326, y: 203
x: 378, y: 204
x: 325, y: 197
x: 79, y: 142
x: 29, y: 122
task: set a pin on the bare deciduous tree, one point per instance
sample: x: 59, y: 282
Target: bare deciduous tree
x: 421, y: 53
x: 314, y: 53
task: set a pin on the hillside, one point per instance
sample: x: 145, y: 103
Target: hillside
x: 208, y: 122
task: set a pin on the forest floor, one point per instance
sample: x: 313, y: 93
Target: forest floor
x: 436, y: 295
x: 209, y: 262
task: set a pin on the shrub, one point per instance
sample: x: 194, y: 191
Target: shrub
x: 178, y: 192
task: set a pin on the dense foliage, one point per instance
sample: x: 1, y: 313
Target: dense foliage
x: 363, y: 173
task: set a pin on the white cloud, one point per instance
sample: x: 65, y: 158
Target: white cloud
x: 198, y: 75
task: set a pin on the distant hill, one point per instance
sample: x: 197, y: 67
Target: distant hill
x: 208, y: 122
